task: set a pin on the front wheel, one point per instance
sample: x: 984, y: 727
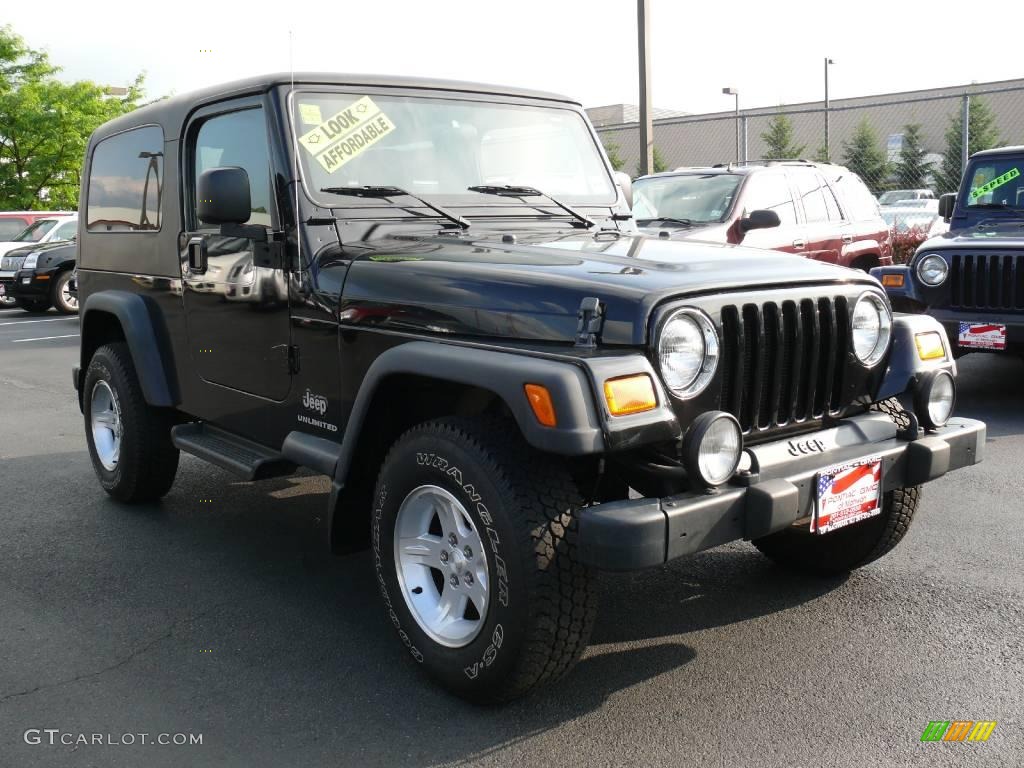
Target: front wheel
x: 474, y: 535
x: 61, y: 295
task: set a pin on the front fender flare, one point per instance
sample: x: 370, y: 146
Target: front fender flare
x: 905, y: 365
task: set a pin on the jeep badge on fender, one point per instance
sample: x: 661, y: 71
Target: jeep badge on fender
x: 387, y: 281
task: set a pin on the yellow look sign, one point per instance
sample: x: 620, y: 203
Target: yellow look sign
x: 347, y: 134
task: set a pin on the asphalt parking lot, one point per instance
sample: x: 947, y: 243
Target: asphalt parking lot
x: 219, y: 612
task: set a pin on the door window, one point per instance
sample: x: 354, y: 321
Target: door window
x: 66, y: 231
x: 769, y: 192
x: 237, y: 139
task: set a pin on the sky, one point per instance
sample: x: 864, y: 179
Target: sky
x: 771, y: 53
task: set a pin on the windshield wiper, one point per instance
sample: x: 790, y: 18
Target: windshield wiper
x: 666, y: 220
x: 994, y: 206
x: 510, y: 190
x: 385, y: 192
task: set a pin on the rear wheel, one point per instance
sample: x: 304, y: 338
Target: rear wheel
x: 856, y: 545
x: 60, y: 294
x: 129, y: 441
x: 474, y: 534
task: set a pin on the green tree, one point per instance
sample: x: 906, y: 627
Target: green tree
x: 863, y: 155
x: 659, y: 163
x: 912, y: 171
x: 44, y: 126
x: 612, y: 150
x: 821, y: 156
x: 778, y: 139
x: 982, y: 133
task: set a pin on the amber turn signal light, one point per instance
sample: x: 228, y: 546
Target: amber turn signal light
x: 540, y: 402
x: 930, y: 346
x: 892, y: 281
x: 630, y: 394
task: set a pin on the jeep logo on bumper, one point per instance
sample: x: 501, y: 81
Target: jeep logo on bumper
x: 805, y: 447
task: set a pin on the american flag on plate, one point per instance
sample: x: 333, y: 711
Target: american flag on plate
x: 982, y: 336
x: 847, y: 493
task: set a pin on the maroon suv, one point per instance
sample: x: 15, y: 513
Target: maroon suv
x: 816, y: 210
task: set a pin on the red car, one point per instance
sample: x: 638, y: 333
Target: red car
x: 13, y: 223
x: 817, y: 210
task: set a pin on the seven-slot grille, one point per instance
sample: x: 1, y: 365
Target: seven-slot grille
x: 783, y: 362
x: 987, y: 281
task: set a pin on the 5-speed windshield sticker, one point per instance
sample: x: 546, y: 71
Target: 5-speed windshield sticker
x: 998, y: 181
x: 347, y: 134
x: 310, y: 114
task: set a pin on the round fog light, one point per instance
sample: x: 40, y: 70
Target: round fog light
x: 935, y: 399
x: 712, y: 448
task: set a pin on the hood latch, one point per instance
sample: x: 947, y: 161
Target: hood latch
x: 590, y: 316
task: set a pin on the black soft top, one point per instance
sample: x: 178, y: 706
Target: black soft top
x: 171, y: 113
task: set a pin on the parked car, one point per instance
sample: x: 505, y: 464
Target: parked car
x: 484, y: 371
x: 900, y: 196
x: 41, y: 277
x: 971, y: 278
x: 45, y: 229
x: 820, y: 211
x: 911, y: 226
x: 13, y: 223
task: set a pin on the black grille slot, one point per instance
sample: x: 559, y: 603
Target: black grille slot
x: 988, y: 281
x: 783, y: 362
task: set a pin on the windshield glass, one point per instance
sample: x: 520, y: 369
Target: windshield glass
x: 996, y: 181
x: 908, y: 219
x: 36, y: 232
x: 438, y: 147
x: 896, y: 196
x: 695, y: 198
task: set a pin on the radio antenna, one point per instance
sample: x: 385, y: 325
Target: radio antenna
x: 295, y: 153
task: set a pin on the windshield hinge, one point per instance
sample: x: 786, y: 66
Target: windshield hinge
x: 590, y: 315
x: 293, y: 359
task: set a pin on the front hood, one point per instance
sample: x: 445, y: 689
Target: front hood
x: 992, y: 234
x: 9, y: 248
x: 532, y: 289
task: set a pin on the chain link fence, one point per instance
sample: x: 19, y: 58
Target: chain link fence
x: 893, y: 142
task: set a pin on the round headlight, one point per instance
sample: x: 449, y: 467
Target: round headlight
x: 712, y: 448
x: 935, y: 399
x: 872, y: 329
x: 932, y: 269
x: 687, y: 352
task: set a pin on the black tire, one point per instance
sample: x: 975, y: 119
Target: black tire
x: 148, y: 461
x: 9, y: 302
x: 542, y: 601
x: 34, y: 305
x: 857, y: 545
x: 57, y: 294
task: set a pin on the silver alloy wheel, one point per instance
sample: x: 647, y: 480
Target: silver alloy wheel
x: 442, y: 567
x: 66, y: 298
x: 105, y: 415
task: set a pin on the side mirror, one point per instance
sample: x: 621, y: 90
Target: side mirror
x: 760, y: 219
x: 946, y: 204
x: 626, y: 185
x: 222, y: 196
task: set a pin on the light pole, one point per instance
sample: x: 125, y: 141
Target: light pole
x: 828, y: 62
x: 733, y: 92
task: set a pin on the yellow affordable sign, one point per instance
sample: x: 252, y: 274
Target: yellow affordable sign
x: 347, y: 134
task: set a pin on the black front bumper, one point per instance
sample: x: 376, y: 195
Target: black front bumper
x: 30, y: 284
x: 640, y: 533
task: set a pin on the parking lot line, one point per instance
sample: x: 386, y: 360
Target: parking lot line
x: 47, y: 320
x: 44, y: 338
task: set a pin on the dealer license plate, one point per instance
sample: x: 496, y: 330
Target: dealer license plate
x: 846, y: 494
x: 982, y: 336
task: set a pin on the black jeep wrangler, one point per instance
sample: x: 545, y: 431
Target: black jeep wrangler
x: 433, y: 293
x: 971, y: 278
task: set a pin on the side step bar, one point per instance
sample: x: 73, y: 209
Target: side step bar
x: 242, y: 457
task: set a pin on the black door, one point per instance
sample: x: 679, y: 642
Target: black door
x: 237, y: 308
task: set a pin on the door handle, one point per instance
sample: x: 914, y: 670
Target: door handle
x: 799, y: 243
x: 197, y: 255
x: 847, y: 239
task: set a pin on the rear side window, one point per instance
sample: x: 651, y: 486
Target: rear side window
x: 809, y: 186
x: 859, y: 203
x: 11, y: 228
x: 769, y: 192
x: 125, y: 181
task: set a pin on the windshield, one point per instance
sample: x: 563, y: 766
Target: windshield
x: 995, y: 182
x: 36, y: 232
x: 438, y: 148
x: 896, y: 196
x: 695, y: 198
x: 906, y: 220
